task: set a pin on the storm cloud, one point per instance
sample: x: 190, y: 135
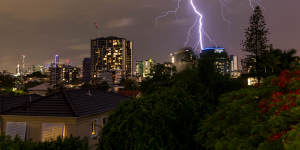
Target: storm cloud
x: 42, y: 28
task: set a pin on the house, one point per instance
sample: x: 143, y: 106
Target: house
x: 76, y: 112
x: 41, y: 89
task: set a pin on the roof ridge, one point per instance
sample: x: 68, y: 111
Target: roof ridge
x: 68, y: 99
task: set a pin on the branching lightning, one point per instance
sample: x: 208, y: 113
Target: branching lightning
x: 198, y: 24
x: 169, y: 12
x: 224, y: 5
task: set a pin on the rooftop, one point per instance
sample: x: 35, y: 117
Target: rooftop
x: 73, y: 103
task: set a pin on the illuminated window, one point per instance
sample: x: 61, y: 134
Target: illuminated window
x: 50, y: 131
x: 94, y: 127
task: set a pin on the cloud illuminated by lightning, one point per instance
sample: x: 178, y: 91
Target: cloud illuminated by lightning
x: 199, y: 46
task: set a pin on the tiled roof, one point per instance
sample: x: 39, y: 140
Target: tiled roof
x: 8, y: 102
x: 73, y: 103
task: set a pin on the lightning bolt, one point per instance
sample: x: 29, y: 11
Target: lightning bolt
x: 188, y: 37
x: 200, y: 25
x: 223, y: 6
x: 169, y: 12
x: 199, y: 22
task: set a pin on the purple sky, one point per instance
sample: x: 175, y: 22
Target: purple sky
x: 41, y: 29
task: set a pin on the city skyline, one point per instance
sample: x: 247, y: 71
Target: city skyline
x: 66, y: 28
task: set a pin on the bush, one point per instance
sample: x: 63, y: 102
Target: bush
x: 263, y: 118
x: 68, y: 143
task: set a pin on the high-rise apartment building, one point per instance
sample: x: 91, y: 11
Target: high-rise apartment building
x: 66, y: 74
x: 111, y: 54
x: 222, y: 61
x: 86, y: 70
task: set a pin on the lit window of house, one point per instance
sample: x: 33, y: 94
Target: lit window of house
x: 94, y: 127
x: 50, y: 131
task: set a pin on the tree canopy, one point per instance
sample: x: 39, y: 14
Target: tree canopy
x: 169, y: 111
x: 256, y: 118
x: 256, y: 44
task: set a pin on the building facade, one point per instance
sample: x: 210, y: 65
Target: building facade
x: 63, y: 74
x: 80, y: 113
x: 222, y: 61
x: 234, y: 66
x: 182, y: 58
x: 143, y: 68
x: 86, y: 70
x: 111, y: 54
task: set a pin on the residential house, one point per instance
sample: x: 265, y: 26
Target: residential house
x: 75, y: 112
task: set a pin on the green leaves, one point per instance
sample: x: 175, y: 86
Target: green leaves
x: 162, y: 120
x: 247, y: 119
x: 69, y: 143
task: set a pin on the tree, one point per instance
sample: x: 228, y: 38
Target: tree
x: 103, y: 86
x: 129, y: 84
x: 263, y: 118
x: 279, y: 60
x: 256, y: 44
x: 162, y: 120
x: 167, y: 115
x: 37, y: 74
x: 161, y: 76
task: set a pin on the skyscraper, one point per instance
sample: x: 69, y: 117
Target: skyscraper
x: 111, y: 54
x: 220, y: 58
x: 56, y: 60
x: 183, y: 58
x: 86, y: 72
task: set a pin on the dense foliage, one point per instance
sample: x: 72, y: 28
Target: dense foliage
x: 266, y: 117
x: 171, y: 107
x: 69, y: 143
x: 152, y: 122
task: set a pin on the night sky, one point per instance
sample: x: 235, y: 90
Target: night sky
x: 42, y: 28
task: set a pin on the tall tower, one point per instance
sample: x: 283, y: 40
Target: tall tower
x: 56, y: 60
x: 111, y: 54
x: 23, y: 65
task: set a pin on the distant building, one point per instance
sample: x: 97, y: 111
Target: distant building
x: 63, y: 74
x: 86, y: 70
x: 143, y: 68
x: 40, y: 68
x: 55, y: 74
x: 70, y: 73
x: 41, y: 89
x: 222, y: 61
x: 5, y: 73
x: 56, y: 60
x: 182, y: 58
x: 139, y: 68
x: 234, y: 66
x: 111, y: 54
